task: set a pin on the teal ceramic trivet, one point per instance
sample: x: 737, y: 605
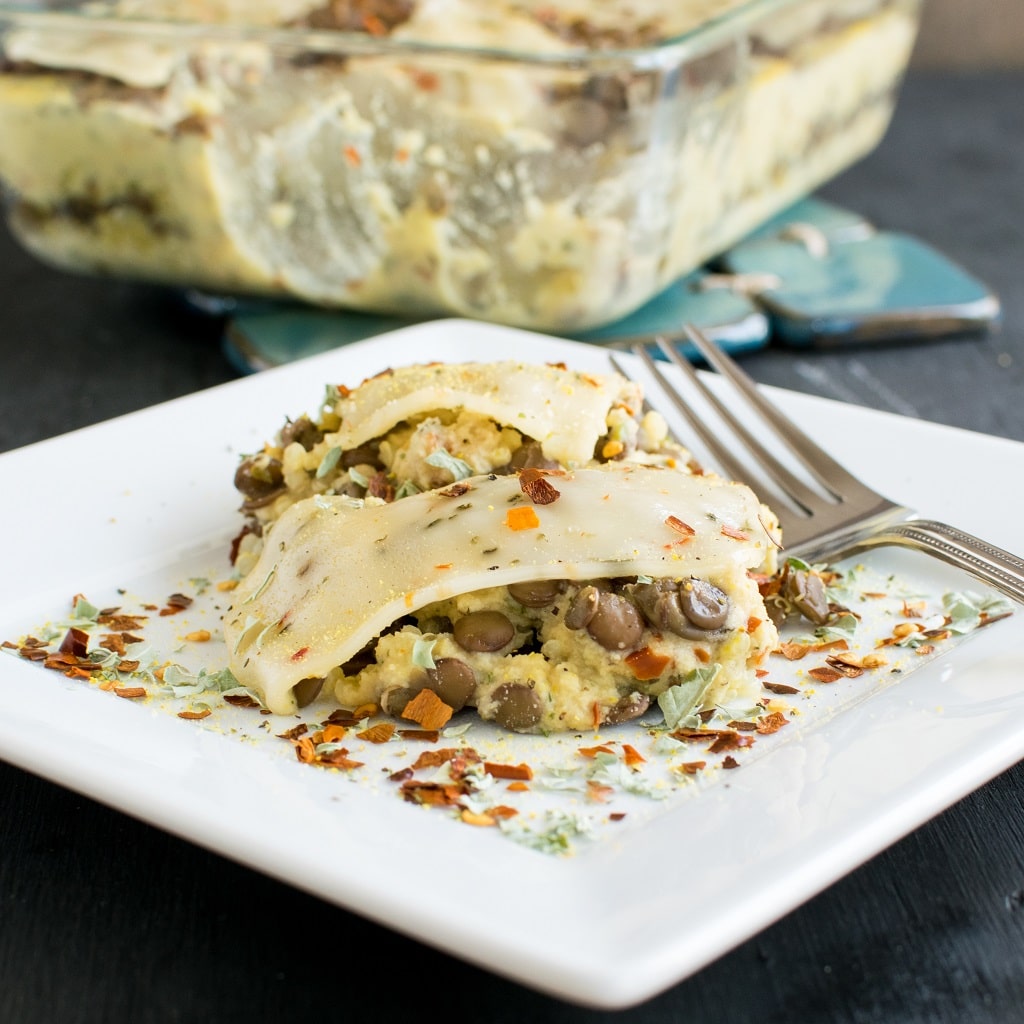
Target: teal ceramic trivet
x: 260, y: 335
x: 883, y: 287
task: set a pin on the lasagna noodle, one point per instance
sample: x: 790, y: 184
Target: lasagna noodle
x: 335, y: 574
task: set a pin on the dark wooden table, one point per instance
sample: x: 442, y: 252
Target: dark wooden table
x: 105, y: 919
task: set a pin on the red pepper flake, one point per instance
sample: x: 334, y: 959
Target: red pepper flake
x: 456, y: 490
x: 824, y: 674
x: 176, y: 603
x: 427, y: 710
x: 675, y: 523
x: 304, y: 750
x: 522, y: 517
x: 599, y: 792
x: 330, y: 734
x: 731, y: 531
x: 241, y: 700
x: 592, y: 752
x: 295, y: 732
x: 730, y: 762
x: 434, y: 758
x: 300, y: 654
x: 194, y: 716
x: 632, y: 756
x: 692, y: 767
x: 616, y: 815
x: 767, y: 724
x: 75, y: 642
x: 851, y: 671
x: 508, y: 771
x: 337, y: 759
x: 646, y: 664
x: 426, y: 81
x: 473, y: 818
x: 432, y: 794
x: 121, y: 623
x: 427, y: 735
x: 130, y: 692
x: 534, y: 485
x: 730, y: 741
x: 352, y: 156
x: 502, y: 811
x: 780, y: 687
x: 793, y: 651
x: 380, y: 733
x: 518, y: 787
x: 127, y: 667
x: 374, y: 26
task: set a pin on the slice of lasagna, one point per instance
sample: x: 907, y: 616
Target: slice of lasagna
x: 420, y: 427
x: 546, y: 599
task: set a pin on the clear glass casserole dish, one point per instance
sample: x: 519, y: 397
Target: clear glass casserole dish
x: 555, y: 168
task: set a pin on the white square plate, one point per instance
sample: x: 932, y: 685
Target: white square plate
x: 140, y: 507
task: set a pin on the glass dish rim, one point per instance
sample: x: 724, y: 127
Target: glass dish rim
x: 667, y: 53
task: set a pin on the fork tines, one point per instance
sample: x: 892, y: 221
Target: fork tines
x: 809, y: 493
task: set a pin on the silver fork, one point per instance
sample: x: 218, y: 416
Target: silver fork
x: 818, y: 527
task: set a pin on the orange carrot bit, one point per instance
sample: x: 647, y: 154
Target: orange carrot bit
x: 691, y: 767
x: 599, y: 792
x: 365, y: 711
x: 752, y: 623
x: 522, y: 517
x: 646, y: 664
x: 379, y: 733
x: 632, y: 755
x: 518, y: 787
x: 702, y: 655
x: 508, y: 771
x: 594, y: 751
x: 427, y: 710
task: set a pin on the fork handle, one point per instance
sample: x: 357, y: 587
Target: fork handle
x: 990, y: 564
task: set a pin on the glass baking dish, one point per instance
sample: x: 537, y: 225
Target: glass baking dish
x: 556, y: 168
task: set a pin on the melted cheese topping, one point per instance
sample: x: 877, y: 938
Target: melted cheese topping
x: 566, y: 411
x: 334, y: 574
